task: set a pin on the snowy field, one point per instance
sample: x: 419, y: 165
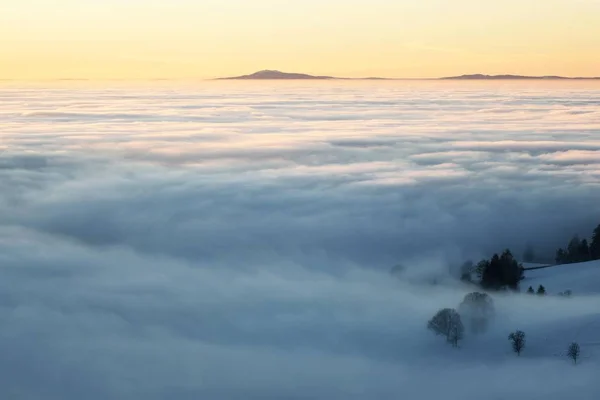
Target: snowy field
x: 234, y: 241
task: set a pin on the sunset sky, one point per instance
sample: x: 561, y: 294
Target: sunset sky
x: 180, y: 39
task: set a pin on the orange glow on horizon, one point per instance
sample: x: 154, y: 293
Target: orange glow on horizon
x: 184, y: 39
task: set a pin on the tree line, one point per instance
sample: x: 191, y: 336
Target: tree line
x: 580, y: 250
x: 503, y: 271
x: 500, y: 272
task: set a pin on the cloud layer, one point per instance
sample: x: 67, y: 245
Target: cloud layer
x: 233, y: 241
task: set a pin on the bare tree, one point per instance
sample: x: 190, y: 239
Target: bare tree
x: 574, y: 351
x: 447, y: 323
x: 518, y: 341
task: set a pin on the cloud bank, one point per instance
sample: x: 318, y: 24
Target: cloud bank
x: 234, y: 241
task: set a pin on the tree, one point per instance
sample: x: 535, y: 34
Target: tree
x: 528, y: 254
x: 518, y: 341
x: 561, y: 257
x: 573, y: 351
x: 530, y: 290
x: 580, y: 250
x: 478, y: 309
x: 595, y: 244
x: 573, y: 249
x: 584, y: 251
x: 492, y: 275
x: 481, y: 267
x: 447, y: 323
x: 541, y: 290
x: 512, y: 271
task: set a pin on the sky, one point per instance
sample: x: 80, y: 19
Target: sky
x: 186, y: 39
x: 234, y: 241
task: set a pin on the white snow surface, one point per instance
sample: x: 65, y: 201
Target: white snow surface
x: 582, y: 278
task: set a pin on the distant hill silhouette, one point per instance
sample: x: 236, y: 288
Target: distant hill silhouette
x: 509, y: 77
x: 272, y: 74
x: 278, y: 75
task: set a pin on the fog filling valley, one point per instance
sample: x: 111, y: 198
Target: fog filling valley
x: 234, y: 241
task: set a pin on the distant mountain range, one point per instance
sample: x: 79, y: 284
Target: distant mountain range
x: 278, y: 75
x: 509, y: 77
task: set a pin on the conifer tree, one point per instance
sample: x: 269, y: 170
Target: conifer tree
x: 541, y: 290
x: 595, y: 244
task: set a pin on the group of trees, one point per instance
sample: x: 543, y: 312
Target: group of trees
x: 500, y: 272
x: 477, y: 309
x: 541, y: 290
x: 517, y: 340
x: 580, y: 250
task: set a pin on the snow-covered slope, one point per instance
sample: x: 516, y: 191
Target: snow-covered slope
x: 582, y: 278
x: 576, y: 318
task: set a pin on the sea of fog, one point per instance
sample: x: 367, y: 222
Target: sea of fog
x: 233, y: 240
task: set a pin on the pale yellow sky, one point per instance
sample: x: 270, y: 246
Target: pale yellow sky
x: 147, y: 39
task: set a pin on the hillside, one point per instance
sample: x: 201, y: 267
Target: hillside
x: 576, y: 318
x: 582, y: 278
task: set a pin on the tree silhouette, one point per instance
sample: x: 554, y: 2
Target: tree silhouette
x: 481, y: 267
x: 561, y: 257
x: 580, y: 250
x: 501, y: 271
x: 584, y: 251
x: 477, y: 308
x: 595, y: 244
x: 518, y: 341
x: 530, y: 290
x: 573, y: 249
x: 447, y: 323
x: 573, y: 351
x: 541, y: 291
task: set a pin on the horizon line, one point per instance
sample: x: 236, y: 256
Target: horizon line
x: 476, y: 76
